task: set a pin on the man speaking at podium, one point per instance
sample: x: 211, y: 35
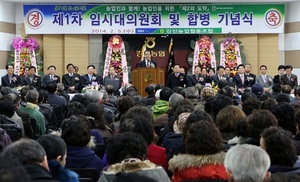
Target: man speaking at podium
x: 147, y: 62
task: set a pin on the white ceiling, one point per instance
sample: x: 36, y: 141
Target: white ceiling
x: 147, y: 1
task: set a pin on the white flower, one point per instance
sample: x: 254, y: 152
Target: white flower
x: 94, y: 78
x: 76, y: 79
x: 14, y: 79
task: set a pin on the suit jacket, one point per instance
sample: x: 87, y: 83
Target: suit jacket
x: 46, y: 80
x: 85, y: 80
x: 193, y: 80
x: 269, y: 81
x: 36, y: 81
x: 71, y: 81
x: 277, y: 79
x: 292, y: 83
x: 216, y: 78
x: 143, y: 63
x: 12, y: 84
x: 115, y: 78
x: 237, y: 80
x: 251, y: 79
x: 174, y: 81
x: 57, y: 100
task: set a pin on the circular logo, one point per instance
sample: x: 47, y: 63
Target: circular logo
x: 34, y: 19
x: 273, y: 18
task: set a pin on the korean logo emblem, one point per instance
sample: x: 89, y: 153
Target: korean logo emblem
x: 34, y: 19
x: 273, y: 18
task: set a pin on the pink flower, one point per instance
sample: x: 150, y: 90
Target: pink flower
x: 18, y: 43
x: 32, y: 44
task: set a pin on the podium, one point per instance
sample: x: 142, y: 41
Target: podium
x: 142, y: 77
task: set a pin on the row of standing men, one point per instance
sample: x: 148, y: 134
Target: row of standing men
x: 242, y: 79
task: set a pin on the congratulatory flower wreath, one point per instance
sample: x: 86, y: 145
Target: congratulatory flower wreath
x: 204, y: 54
x: 25, y: 52
x: 230, y: 53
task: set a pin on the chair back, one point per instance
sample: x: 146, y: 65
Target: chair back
x: 57, y: 116
x: 86, y: 173
x: 35, y: 128
x: 13, y: 130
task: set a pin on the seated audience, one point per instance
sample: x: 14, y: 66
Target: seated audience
x: 126, y: 154
x: 204, y: 158
x: 11, y: 170
x: 257, y: 122
x: 226, y: 120
x: 76, y: 134
x: 278, y: 144
x: 241, y: 133
x: 247, y: 163
x: 31, y: 108
x: 139, y: 120
x: 32, y: 156
x: 53, y: 98
x: 96, y: 112
x: 56, y: 149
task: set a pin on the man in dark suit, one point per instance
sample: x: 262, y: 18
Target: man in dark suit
x: 197, y: 77
x: 71, y: 80
x: 112, y: 76
x: 26, y: 73
x: 148, y: 62
x: 50, y: 77
x: 10, y: 79
x: 288, y: 78
x: 240, y: 79
x: 220, y: 75
x: 249, y: 76
x: 278, y: 78
x: 53, y: 98
x: 177, y: 79
x: 32, y: 79
x: 91, y: 77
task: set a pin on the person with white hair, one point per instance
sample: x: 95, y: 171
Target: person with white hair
x: 247, y: 163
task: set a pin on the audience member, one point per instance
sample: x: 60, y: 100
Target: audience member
x: 96, y: 111
x: 76, y: 134
x: 278, y: 144
x: 56, y: 151
x: 204, y: 158
x: 226, y: 120
x: 53, y: 98
x: 247, y: 163
x: 126, y: 154
x: 11, y: 171
x: 32, y: 109
x: 32, y: 156
x: 257, y: 122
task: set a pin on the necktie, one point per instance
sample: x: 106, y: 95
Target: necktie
x: 279, y: 79
x: 289, y: 77
x: 90, y: 78
x: 9, y: 78
x: 112, y: 77
x: 148, y: 64
x: 51, y: 77
x: 242, y: 79
x: 264, y: 77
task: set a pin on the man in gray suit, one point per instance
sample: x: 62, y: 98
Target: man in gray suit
x: 263, y: 79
